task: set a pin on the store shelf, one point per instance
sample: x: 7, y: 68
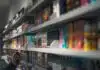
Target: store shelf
x: 19, y: 34
x: 64, y: 52
x: 18, y: 22
x: 83, y: 11
x: 68, y: 52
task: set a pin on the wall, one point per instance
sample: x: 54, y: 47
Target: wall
x: 16, y: 5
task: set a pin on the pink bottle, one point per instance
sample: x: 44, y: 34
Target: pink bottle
x: 84, y: 2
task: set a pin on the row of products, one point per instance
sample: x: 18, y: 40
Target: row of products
x: 79, y: 34
x: 57, y: 8
x: 25, y: 27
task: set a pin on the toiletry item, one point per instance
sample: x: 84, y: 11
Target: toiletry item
x: 60, y: 38
x: 70, y: 35
x: 87, y: 44
x: 56, y: 9
x: 84, y: 2
x: 78, y: 34
x: 63, y: 40
x: 87, y: 34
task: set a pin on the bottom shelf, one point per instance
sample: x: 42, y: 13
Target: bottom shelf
x: 64, y: 52
x: 68, y: 52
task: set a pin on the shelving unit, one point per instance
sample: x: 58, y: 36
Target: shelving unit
x: 84, y: 13
x: 77, y: 13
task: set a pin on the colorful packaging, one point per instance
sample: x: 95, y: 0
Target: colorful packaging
x: 87, y: 44
x: 84, y: 2
x: 70, y: 35
x: 60, y: 38
x: 47, y: 13
x: 63, y: 39
x: 87, y: 34
x: 78, y: 34
x: 14, y: 43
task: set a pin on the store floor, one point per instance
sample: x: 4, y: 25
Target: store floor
x: 3, y: 64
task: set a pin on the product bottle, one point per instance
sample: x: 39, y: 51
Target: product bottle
x: 70, y: 35
x: 60, y: 38
x: 87, y: 33
x: 84, y: 2
x: 78, y: 34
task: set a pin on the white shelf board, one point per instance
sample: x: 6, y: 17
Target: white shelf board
x: 68, y: 52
